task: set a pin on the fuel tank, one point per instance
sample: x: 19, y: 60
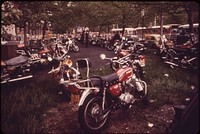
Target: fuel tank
x: 122, y: 53
x: 124, y: 73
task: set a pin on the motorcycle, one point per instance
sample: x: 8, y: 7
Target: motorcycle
x: 70, y: 45
x: 186, y: 58
x: 37, y: 55
x: 96, y: 41
x: 122, y: 55
x: 99, y: 95
x: 131, y: 45
x: 63, y: 70
x: 111, y: 45
x: 15, y: 69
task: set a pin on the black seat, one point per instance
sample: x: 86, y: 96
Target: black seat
x: 111, y: 78
x: 96, y: 81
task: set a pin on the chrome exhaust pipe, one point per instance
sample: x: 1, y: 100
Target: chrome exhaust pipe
x: 171, y: 63
x: 22, y: 78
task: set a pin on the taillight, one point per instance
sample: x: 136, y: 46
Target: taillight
x: 142, y: 60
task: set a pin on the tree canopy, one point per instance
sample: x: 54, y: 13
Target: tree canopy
x: 61, y: 16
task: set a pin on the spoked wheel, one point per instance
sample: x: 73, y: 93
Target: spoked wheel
x: 90, y: 114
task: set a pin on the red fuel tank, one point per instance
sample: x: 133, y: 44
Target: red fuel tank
x: 115, y: 89
x: 122, y: 53
x: 124, y: 73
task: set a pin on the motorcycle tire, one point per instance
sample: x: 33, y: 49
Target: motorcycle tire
x: 90, y: 114
x: 76, y: 48
x: 110, y: 47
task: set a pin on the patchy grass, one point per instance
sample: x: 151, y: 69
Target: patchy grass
x: 22, y: 104
x: 167, y: 85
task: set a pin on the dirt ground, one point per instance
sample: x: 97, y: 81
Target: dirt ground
x: 64, y: 119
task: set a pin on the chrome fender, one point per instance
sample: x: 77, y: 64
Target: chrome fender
x: 85, y: 93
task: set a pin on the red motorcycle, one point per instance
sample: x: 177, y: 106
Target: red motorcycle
x: 102, y: 94
x: 121, y: 57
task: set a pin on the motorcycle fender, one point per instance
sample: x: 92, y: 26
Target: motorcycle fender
x: 84, y: 95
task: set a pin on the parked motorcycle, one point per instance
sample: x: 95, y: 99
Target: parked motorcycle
x: 70, y: 45
x: 103, y: 94
x: 37, y: 55
x: 64, y: 71
x: 123, y: 55
x: 183, y: 57
x: 96, y: 41
x: 111, y: 45
x: 15, y: 69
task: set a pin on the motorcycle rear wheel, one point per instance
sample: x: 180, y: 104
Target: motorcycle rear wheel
x: 90, y: 114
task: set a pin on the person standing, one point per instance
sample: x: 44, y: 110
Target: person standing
x: 115, y: 37
x: 82, y: 37
x: 86, y: 38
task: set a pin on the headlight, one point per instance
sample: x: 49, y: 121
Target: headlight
x: 50, y: 59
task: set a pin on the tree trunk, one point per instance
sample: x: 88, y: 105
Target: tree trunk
x: 123, y: 24
x: 108, y: 28
x: 190, y: 20
x: 16, y: 33
x: 100, y: 30
x: 44, y: 29
x: 25, y: 37
x: 190, y: 14
x: 161, y: 24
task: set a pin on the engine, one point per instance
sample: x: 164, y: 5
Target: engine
x: 127, y: 98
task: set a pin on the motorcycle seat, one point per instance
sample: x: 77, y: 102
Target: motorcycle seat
x: 45, y: 50
x: 16, y: 60
x: 96, y: 81
x: 109, y: 79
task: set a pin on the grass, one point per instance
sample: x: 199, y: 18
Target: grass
x: 22, y: 104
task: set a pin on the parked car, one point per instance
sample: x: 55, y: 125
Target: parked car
x: 154, y: 41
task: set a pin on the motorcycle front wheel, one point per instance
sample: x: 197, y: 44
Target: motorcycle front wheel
x: 90, y: 114
x: 76, y: 48
x: 110, y: 47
